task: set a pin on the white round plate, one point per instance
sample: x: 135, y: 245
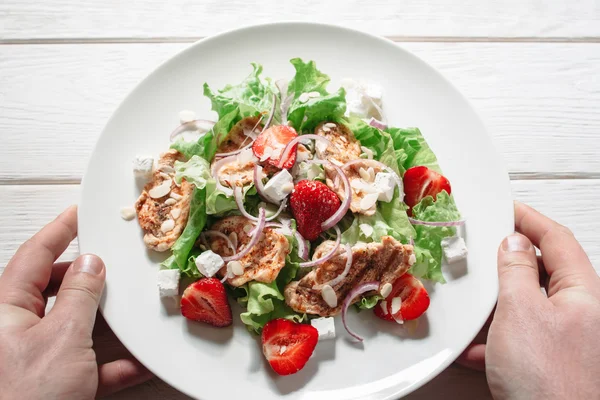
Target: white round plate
x: 211, y: 363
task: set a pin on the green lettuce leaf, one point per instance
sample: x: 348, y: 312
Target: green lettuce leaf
x: 218, y: 203
x: 412, y: 149
x: 428, y: 241
x: 305, y: 116
x: 184, y: 245
x: 196, y: 170
x: 367, y: 303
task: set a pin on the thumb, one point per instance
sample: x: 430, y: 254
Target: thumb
x: 518, y: 272
x: 79, y: 293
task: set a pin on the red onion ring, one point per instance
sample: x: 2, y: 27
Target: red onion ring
x: 271, y: 114
x: 357, y: 291
x: 374, y: 122
x: 255, y: 237
x: 215, y: 173
x: 436, y: 223
x: 239, y: 201
x: 411, y: 241
x: 221, y: 235
x: 288, y: 148
x: 302, y: 246
x: 191, y: 126
x: 375, y: 163
x: 327, y: 256
x: 339, y: 214
x: 260, y: 187
x: 344, y: 273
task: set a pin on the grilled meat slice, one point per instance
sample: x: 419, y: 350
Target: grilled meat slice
x: 382, y: 262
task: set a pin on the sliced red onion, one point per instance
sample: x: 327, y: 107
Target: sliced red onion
x: 221, y: 235
x: 271, y: 114
x: 255, y: 237
x: 344, y: 273
x: 260, y: 187
x: 302, y: 246
x: 279, y: 210
x: 375, y: 163
x: 374, y: 122
x: 357, y: 291
x: 286, y: 99
x: 194, y: 125
x: 216, y: 167
x: 339, y: 214
x: 411, y: 241
x: 290, y: 146
x: 329, y: 255
x: 436, y: 223
x: 239, y: 201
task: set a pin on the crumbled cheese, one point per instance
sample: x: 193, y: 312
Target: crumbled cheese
x: 267, y: 152
x: 366, y: 229
x: 142, y: 166
x: 302, y: 154
x: 209, y: 263
x: 412, y: 259
x: 245, y: 156
x: 321, y: 147
x: 325, y: 326
x: 161, y: 190
x: 127, y: 213
x: 168, y: 282
x: 362, y: 99
x: 280, y: 185
x: 385, y: 185
x: 386, y: 290
x: 368, y: 201
x: 186, y: 116
x: 329, y: 296
x: 455, y: 249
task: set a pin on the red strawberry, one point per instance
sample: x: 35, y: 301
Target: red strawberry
x: 206, y: 301
x: 287, y: 346
x: 415, y: 300
x: 273, y: 141
x: 420, y: 182
x: 312, y: 202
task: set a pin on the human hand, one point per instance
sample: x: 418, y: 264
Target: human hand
x: 51, y: 356
x: 542, y: 346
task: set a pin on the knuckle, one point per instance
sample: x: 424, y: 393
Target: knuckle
x: 564, y: 230
x: 79, y: 291
x: 520, y: 264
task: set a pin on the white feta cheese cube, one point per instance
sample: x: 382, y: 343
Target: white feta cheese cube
x: 143, y: 166
x: 168, y: 282
x: 455, y: 249
x: 209, y: 263
x: 325, y: 327
x: 362, y: 98
x: 385, y: 185
x: 280, y: 185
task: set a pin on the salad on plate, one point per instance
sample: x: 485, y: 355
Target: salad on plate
x: 297, y: 203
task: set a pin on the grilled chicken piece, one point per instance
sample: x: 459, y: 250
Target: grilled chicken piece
x: 241, y: 172
x: 264, y: 261
x: 154, y: 213
x: 348, y: 149
x: 382, y: 262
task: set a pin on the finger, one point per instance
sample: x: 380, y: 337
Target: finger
x: 59, y: 270
x: 28, y: 272
x: 473, y: 357
x: 562, y: 255
x: 78, y: 296
x: 517, y: 271
x: 118, y: 375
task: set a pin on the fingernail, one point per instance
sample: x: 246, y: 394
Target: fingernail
x: 90, y: 264
x: 516, y: 243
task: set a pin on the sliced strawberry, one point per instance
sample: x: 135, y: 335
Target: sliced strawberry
x: 287, y: 346
x: 270, y: 144
x: 415, y: 300
x: 420, y: 182
x: 206, y: 301
x: 312, y: 202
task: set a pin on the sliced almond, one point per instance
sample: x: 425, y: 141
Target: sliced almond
x: 128, y: 213
x: 336, y: 162
x: 330, y: 125
x: 383, y: 306
x: 368, y: 201
x: 248, y: 228
x: 166, y: 169
x: 176, y: 196
x: 386, y: 289
x: 329, y: 296
x: 364, y: 174
x: 235, y: 267
x: 368, y: 152
x: 170, y: 202
x: 175, y: 213
x: 314, y: 95
x: 167, y: 226
x: 161, y: 190
x: 234, y: 239
x: 366, y: 229
x: 396, y: 305
x: 303, y: 98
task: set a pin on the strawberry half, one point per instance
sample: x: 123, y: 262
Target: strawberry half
x: 415, y: 300
x: 206, y: 301
x: 312, y: 203
x: 287, y: 346
x: 272, y: 142
x: 420, y: 182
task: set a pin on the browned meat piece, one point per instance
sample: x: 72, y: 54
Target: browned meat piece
x: 382, y: 262
x: 264, y: 261
x: 163, y: 217
x: 347, y: 148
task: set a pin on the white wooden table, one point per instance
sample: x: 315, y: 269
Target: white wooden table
x: 531, y: 68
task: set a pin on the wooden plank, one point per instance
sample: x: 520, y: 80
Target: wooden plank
x: 539, y: 102
x: 68, y: 19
